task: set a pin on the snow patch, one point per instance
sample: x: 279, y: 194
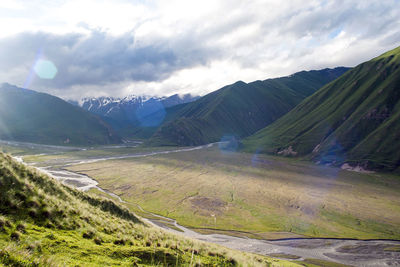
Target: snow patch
x: 316, y: 148
x: 357, y: 168
x: 287, y: 152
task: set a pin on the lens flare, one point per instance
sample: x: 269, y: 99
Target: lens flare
x: 31, y: 74
x: 45, y: 69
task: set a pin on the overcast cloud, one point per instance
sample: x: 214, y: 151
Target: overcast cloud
x: 123, y: 47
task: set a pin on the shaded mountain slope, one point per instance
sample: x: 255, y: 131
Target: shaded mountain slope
x: 355, y: 119
x: 30, y: 116
x: 163, y: 116
x: 240, y: 109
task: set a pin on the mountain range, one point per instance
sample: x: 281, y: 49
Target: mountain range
x: 132, y: 108
x: 334, y: 116
x: 354, y: 120
x: 131, y: 116
x: 239, y: 109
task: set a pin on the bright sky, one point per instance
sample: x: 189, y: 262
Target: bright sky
x: 122, y: 47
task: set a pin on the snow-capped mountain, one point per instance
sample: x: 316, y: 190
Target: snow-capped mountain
x: 132, y: 108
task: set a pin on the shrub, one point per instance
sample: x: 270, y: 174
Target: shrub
x: 35, y: 246
x: 32, y: 203
x: 49, y: 225
x: 8, y: 224
x: 119, y: 242
x: 97, y: 240
x: 2, y: 223
x: 51, y: 236
x: 15, y: 235
x: 232, y: 261
x: 88, y: 234
x: 45, y: 213
x: 32, y: 213
x: 20, y: 196
x: 21, y: 228
x: 107, y: 230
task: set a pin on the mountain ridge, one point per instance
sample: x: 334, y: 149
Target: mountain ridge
x: 240, y: 109
x: 352, y: 120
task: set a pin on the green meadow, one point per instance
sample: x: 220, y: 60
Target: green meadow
x: 255, y: 195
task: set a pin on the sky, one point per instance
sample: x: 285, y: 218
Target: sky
x: 90, y: 48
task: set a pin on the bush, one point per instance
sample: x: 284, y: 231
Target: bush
x: 49, y: 225
x: 88, y: 234
x: 15, y: 235
x: 45, y: 213
x: 21, y: 228
x: 32, y: 203
x: 119, y: 242
x: 2, y: 223
x: 35, y: 246
x: 98, y: 240
x: 32, y: 213
x: 51, y: 236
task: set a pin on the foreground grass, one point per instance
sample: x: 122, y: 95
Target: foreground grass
x: 43, y: 223
x: 265, y: 196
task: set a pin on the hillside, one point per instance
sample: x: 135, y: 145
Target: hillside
x: 30, y: 116
x: 43, y: 223
x: 355, y: 119
x: 240, y: 109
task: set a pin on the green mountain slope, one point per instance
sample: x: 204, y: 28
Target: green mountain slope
x: 240, y: 109
x: 29, y: 116
x: 355, y: 119
x: 43, y: 223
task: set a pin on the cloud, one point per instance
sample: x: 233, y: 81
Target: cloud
x: 165, y: 47
x: 99, y: 58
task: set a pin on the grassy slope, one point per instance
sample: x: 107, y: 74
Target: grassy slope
x: 45, y: 223
x: 30, y: 116
x: 356, y: 119
x: 269, y: 197
x: 240, y: 109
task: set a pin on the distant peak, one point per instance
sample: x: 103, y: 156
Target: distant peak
x: 239, y: 83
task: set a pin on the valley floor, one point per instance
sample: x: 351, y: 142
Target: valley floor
x: 263, y: 197
x: 269, y: 197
